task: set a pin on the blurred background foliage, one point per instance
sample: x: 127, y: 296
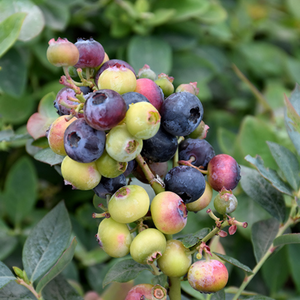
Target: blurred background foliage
x: 244, y: 55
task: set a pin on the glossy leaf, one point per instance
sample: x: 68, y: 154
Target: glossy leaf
x: 287, y: 162
x: 34, y: 20
x: 13, y: 75
x: 20, y: 189
x: 235, y: 262
x: 46, y: 242
x: 184, y: 9
x: 15, y: 291
x: 294, y: 263
x: 260, y: 190
x: 6, y: 275
x: 124, y: 271
x: 47, y: 156
x: 291, y: 116
x: 192, y: 239
x: 60, y: 289
x: 292, y: 238
x: 156, y: 53
x: 10, y: 30
x: 263, y: 234
x: 254, y: 129
x: 269, y: 174
x: 275, y: 271
x: 62, y: 262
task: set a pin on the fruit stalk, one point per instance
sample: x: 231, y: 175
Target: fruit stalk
x: 175, y: 289
x: 281, y: 231
x: 30, y: 288
x: 157, y: 187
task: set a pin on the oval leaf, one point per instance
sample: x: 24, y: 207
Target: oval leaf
x: 6, y: 275
x: 192, y: 239
x: 269, y: 174
x: 292, y: 109
x: 291, y: 238
x: 10, y: 30
x: 260, y: 190
x: 46, y: 242
x: 263, y: 234
x: 235, y: 262
x: 124, y: 271
x: 156, y: 53
x: 15, y: 291
x: 287, y: 162
x: 47, y: 156
x: 62, y: 262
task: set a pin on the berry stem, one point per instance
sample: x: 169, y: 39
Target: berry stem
x: 30, y: 288
x: 154, y: 182
x: 281, y: 231
x: 176, y: 155
x: 175, y: 289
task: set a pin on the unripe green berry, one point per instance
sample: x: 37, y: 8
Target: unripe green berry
x: 225, y: 202
x: 148, y: 246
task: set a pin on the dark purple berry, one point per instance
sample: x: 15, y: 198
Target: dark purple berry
x: 91, y: 53
x: 181, y: 113
x: 108, y: 186
x: 83, y: 143
x: 161, y: 147
x: 185, y: 181
x: 133, y: 97
x: 104, y: 109
x: 132, y: 164
x: 201, y: 150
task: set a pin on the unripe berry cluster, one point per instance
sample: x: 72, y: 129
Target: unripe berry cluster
x: 114, y: 124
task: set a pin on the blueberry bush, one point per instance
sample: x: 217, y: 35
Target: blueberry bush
x: 149, y: 149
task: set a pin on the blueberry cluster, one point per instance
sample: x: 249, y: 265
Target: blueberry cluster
x: 114, y: 124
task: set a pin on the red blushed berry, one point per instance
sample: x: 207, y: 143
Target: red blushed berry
x: 91, y: 53
x: 188, y: 87
x: 208, y: 276
x: 62, y: 53
x: 223, y: 171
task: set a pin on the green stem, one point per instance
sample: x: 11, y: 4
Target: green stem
x: 154, y: 182
x: 176, y: 155
x: 175, y: 288
x: 271, y: 249
x: 30, y: 288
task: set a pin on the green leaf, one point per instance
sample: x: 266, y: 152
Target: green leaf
x: 292, y: 118
x: 257, y: 297
x: 260, y: 190
x: 56, y: 14
x: 47, y: 156
x: 161, y: 279
x: 287, y: 162
x: 6, y: 275
x: 124, y: 271
x: 254, y: 129
x: 15, y: 291
x: 16, y: 110
x: 235, y: 262
x: 269, y: 174
x: 263, y: 234
x: 214, y: 14
x: 275, y: 271
x: 13, y: 73
x: 155, y: 52
x: 60, y: 289
x: 226, y: 140
x: 192, y: 239
x: 8, y: 244
x: 34, y: 20
x: 46, y: 242
x: 159, y: 17
x: 10, y: 30
x: 291, y: 238
x: 184, y: 9
x: 189, y: 290
x: 220, y: 295
x: 20, y: 189
x: 62, y: 262
x: 294, y: 263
